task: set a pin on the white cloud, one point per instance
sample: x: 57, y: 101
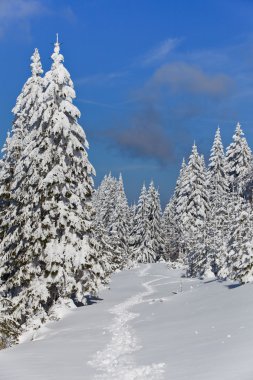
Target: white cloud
x: 19, y: 11
x: 15, y: 9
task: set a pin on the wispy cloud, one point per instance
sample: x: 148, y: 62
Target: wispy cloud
x: 155, y: 55
x: 19, y: 11
x: 10, y: 9
x: 97, y: 79
x: 22, y: 12
x: 160, y: 52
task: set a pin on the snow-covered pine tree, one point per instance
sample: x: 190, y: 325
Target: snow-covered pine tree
x: 119, y: 227
x: 193, y: 208
x: 239, y: 260
x: 105, y: 252
x: 234, y: 207
x: 132, y: 213
x: 154, y: 233
x: 98, y: 197
x: 171, y: 250
x: 217, y: 178
x: 146, y: 238
x: 48, y: 249
x: 137, y: 240
x: 183, y: 191
x: 238, y: 162
x: 218, y: 191
x: 171, y: 221
x: 25, y: 112
x: 104, y: 200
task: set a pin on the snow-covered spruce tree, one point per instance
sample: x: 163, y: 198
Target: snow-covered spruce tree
x: 193, y: 207
x: 104, y: 250
x: 238, y: 162
x: 137, y: 238
x: 173, y: 248
x: 234, y: 207
x: 181, y: 197
x: 25, y: 114
x: 48, y: 249
x: 104, y: 200
x: 98, y: 198
x: 154, y: 233
x: 132, y: 213
x: 218, y: 191
x: 146, y: 238
x: 239, y: 260
x: 119, y: 228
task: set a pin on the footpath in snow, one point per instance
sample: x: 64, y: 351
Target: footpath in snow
x: 152, y: 324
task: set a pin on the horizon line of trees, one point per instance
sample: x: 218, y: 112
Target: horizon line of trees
x: 206, y: 225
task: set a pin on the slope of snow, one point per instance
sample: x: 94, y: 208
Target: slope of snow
x: 145, y: 328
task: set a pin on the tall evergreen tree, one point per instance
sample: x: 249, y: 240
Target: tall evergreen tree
x: 25, y: 112
x: 104, y: 200
x: 193, y: 207
x: 217, y: 178
x: 171, y: 221
x: 132, y: 213
x: 218, y: 191
x: 171, y: 249
x: 110, y: 222
x: 105, y: 252
x: 154, y: 230
x: 239, y: 259
x: 119, y: 227
x: 48, y: 250
x: 146, y: 238
x: 238, y: 162
x: 138, y: 243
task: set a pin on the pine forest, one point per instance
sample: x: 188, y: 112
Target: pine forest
x: 61, y: 239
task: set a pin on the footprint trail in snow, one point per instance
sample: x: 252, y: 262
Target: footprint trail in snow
x: 116, y: 361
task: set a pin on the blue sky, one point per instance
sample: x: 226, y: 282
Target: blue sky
x: 150, y: 76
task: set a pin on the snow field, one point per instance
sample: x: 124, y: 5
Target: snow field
x: 204, y: 332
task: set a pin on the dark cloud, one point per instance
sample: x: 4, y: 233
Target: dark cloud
x: 145, y: 137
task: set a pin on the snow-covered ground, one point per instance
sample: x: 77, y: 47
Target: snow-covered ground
x: 152, y: 324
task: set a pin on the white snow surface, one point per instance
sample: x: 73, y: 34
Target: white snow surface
x: 152, y: 324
